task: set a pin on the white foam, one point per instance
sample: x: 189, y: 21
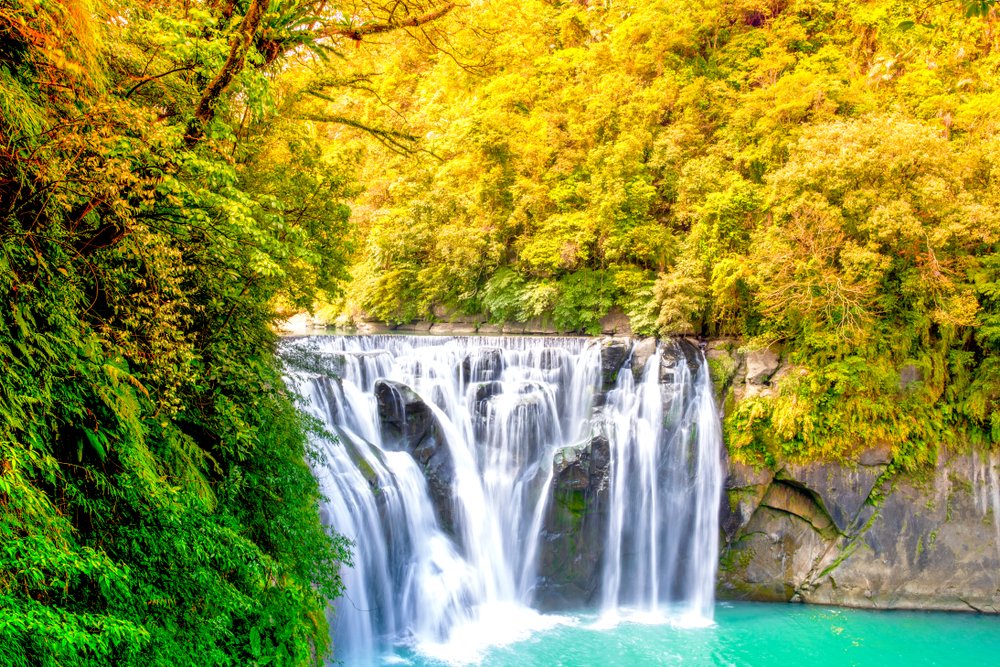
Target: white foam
x: 494, y: 625
x: 683, y: 619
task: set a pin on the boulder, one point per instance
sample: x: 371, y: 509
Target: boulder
x: 483, y: 365
x: 614, y: 353
x: 571, y: 551
x: 725, y: 364
x: 678, y: 351
x: 761, y: 365
x: 434, y: 458
x: 404, y: 417
x: 408, y: 424
x: 641, y: 352
x: 482, y: 392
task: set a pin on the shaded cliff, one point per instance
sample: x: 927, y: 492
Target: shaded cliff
x: 858, y: 532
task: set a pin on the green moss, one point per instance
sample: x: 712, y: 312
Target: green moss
x: 737, y: 558
x: 738, y: 495
x: 960, y: 484
x: 722, y: 369
x: 572, y: 501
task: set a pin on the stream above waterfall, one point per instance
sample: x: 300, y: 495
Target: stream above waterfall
x: 485, y: 480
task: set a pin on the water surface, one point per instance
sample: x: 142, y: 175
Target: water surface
x: 755, y: 634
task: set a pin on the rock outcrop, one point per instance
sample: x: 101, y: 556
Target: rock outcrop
x: 859, y: 536
x: 614, y: 353
x: 571, y: 550
x: 407, y: 421
x: 485, y: 365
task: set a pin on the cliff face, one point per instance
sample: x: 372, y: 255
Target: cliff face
x: 856, y: 534
x: 858, y: 537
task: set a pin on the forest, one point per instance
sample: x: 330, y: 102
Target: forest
x: 818, y: 176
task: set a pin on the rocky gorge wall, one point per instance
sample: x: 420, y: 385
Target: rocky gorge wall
x: 854, y: 534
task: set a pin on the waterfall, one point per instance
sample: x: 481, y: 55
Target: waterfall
x: 446, y: 458
x: 666, y: 481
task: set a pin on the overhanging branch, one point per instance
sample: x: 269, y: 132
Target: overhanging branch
x: 239, y: 45
x: 399, y: 142
x: 357, y: 33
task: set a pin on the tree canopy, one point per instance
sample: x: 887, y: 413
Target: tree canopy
x: 811, y: 174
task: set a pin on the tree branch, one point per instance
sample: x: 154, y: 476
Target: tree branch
x: 362, y: 31
x: 398, y: 142
x: 240, y: 44
x: 147, y: 79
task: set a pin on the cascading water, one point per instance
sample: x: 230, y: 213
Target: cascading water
x: 442, y: 472
x: 666, y: 480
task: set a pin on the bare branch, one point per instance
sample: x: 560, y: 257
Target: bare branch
x: 147, y: 79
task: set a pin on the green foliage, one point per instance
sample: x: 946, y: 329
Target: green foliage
x: 156, y: 506
x: 576, y: 302
x: 584, y: 297
x: 502, y: 297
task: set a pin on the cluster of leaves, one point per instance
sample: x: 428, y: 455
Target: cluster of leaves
x: 816, y: 174
x: 159, y: 192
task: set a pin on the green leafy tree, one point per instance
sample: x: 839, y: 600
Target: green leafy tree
x: 158, y: 194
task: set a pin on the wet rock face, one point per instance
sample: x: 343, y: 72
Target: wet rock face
x: 841, y: 493
x: 486, y: 365
x: 571, y: 550
x: 404, y: 416
x: 614, y: 353
x: 677, y: 351
x: 856, y: 536
x: 481, y: 395
x: 745, y: 487
x: 643, y: 350
x: 407, y: 421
